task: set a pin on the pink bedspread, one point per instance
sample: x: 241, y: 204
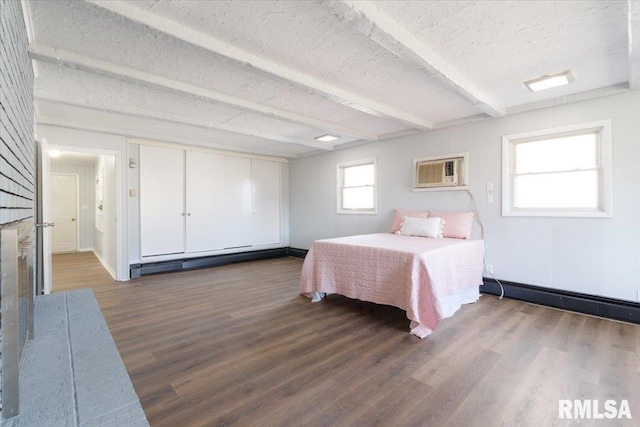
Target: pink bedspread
x: 422, y: 276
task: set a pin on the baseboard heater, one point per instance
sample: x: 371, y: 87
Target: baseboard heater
x: 610, y: 308
x: 137, y: 270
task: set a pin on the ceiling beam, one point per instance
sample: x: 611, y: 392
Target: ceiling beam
x: 137, y: 133
x: 372, y: 22
x: 81, y: 102
x: 204, y: 41
x: 634, y: 43
x: 108, y: 69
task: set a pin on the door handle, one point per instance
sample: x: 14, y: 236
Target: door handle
x: 45, y: 224
x: 73, y: 219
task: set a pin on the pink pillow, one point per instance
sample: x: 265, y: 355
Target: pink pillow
x: 457, y: 225
x: 397, y: 219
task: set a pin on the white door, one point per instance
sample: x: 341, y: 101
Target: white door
x: 45, y: 165
x: 64, y: 208
x: 162, y: 213
x: 239, y: 213
x: 206, y: 205
x: 266, y: 202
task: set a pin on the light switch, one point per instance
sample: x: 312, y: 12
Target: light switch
x: 132, y: 193
x: 489, y: 198
x: 489, y: 186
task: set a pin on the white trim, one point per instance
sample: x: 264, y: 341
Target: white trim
x: 605, y: 210
x: 104, y: 264
x: 339, y: 167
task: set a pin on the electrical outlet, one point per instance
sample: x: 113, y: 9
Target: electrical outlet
x: 489, y: 268
x: 489, y: 198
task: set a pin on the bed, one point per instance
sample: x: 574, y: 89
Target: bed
x: 428, y: 278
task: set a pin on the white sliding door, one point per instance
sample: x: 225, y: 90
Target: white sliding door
x: 239, y: 216
x: 161, y: 201
x: 266, y: 202
x: 206, y: 204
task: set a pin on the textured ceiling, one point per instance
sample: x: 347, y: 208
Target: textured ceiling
x: 269, y: 76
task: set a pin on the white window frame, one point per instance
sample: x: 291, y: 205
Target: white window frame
x: 339, y: 181
x: 604, y: 209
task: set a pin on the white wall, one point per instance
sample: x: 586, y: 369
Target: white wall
x: 106, y: 237
x: 133, y: 223
x: 587, y: 255
x: 100, y: 143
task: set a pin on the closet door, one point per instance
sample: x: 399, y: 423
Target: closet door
x: 206, y: 205
x: 237, y: 186
x: 161, y: 201
x: 266, y: 202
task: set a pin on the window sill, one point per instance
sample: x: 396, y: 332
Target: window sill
x: 357, y: 212
x: 557, y: 214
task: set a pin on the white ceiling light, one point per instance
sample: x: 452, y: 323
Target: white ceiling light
x: 54, y: 153
x: 327, y: 138
x: 549, y: 81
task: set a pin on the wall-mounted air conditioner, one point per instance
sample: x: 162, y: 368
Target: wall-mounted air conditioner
x: 447, y: 172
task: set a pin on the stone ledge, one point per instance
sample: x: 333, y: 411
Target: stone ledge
x: 72, y: 373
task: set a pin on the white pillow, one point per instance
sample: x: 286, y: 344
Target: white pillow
x: 425, y: 227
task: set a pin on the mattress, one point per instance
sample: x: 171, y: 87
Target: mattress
x: 428, y: 278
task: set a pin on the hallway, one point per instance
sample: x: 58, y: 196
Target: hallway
x: 77, y: 270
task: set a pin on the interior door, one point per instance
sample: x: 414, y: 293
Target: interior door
x: 238, y: 206
x: 44, y: 268
x: 64, y: 208
x: 266, y: 202
x: 206, y: 207
x: 162, y: 213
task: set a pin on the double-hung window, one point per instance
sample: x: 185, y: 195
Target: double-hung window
x: 357, y: 187
x: 562, y: 172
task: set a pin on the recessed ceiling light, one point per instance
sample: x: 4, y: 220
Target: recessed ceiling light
x: 327, y: 138
x: 549, y: 81
x: 54, y: 153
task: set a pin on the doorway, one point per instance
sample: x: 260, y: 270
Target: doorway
x: 82, y: 205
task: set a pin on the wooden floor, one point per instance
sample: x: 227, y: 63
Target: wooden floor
x: 237, y: 345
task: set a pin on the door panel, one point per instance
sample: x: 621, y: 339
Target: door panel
x: 205, y: 193
x: 238, y: 202
x: 161, y: 201
x: 266, y: 202
x: 64, y: 210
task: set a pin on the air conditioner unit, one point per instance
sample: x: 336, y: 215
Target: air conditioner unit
x: 434, y: 172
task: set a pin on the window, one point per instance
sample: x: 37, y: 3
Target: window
x: 357, y: 187
x: 563, y: 172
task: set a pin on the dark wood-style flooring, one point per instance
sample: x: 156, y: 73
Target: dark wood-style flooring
x: 238, y: 345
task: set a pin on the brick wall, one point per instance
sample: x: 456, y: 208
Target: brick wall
x: 17, y: 149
